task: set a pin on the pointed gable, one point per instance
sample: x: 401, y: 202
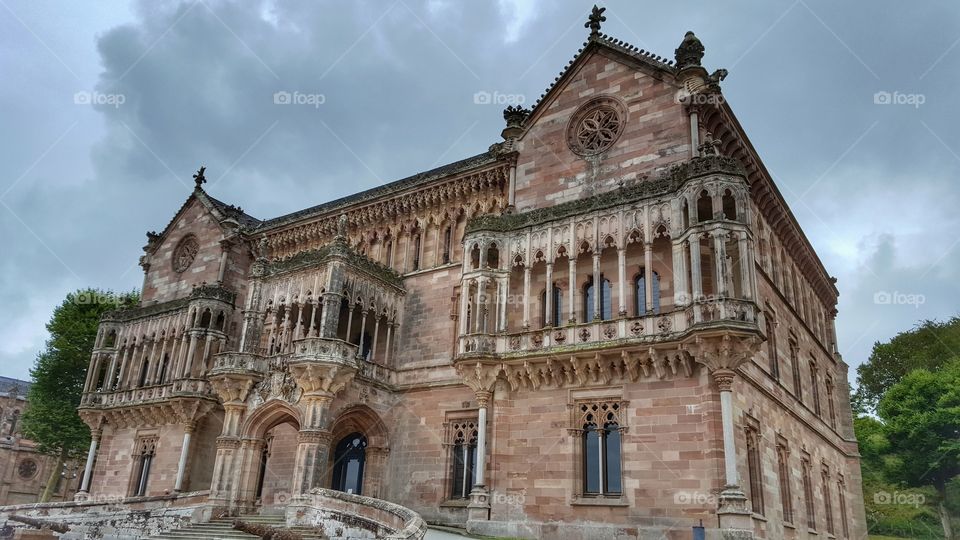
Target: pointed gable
x: 611, y: 93
x: 188, y: 251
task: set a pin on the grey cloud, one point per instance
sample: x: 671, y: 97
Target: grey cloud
x: 398, y: 80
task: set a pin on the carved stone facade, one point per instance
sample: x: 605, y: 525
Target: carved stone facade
x: 583, y: 331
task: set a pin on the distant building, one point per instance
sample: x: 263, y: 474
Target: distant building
x: 23, y: 470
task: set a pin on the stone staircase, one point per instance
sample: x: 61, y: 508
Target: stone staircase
x: 222, y: 529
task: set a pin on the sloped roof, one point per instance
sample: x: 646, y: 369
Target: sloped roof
x: 8, y: 384
x: 386, y: 189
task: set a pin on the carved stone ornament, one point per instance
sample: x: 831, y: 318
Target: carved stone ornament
x: 185, y: 253
x: 27, y: 469
x: 596, y: 126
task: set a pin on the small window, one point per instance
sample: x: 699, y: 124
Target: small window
x: 754, y: 471
x: 815, y: 388
x: 640, y: 287
x: 783, y: 475
x: 795, y: 368
x: 447, y: 238
x: 588, y: 300
x: 774, y: 361
x: 416, y: 252
x: 808, y: 495
x: 704, y: 207
x: 601, y: 448
x: 729, y: 206
x: 463, y: 459
x: 146, y: 451
x: 827, y: 500
x: 556, y: 309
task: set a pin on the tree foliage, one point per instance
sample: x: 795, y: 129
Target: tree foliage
x: 59, y: 373
x: 930, y: 345
x: 921, y: 416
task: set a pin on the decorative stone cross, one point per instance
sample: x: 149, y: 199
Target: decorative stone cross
x: 596, y: 17
x: 199, y: 178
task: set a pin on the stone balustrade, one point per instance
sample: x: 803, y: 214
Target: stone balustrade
x: 661, y: 327
x: 344, y: 515
x: 146, y: 394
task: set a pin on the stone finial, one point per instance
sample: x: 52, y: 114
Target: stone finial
x: 342, y: 226
x: 710, y: 146
x: 690, y: 51
x: 596, y: 17
x: 199, y: 178
x: 514, y: 115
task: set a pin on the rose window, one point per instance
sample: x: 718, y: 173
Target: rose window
x: 27, y: 469
x: 596, y: 127
x: 185, y: 252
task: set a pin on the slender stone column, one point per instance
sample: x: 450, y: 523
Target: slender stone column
x: 548, y: 300
x: 387, y: 348
x: 191, y: 353
x: 746, y: 265
x: 622, y: 281
x: 597, y: 287
x: 464, y: 306
x: 502, y: 308
x: 91, y: 374
x: 720, y: 262
x: 733, y: 503
x: 363, y: 329
x: 184, y: 456
x: 648, y: 275
x: 479, y: 507
x: 95, y: 435
x: 680, y: 292
x: 572, y: 293
x: 694, y: 134
x: 526, y: 297
x: 376, y: 335
x: 483, y: 399
x: 478, y: 305
x: 312, y: 332
x: 350, y: 322
x: 696, y: 268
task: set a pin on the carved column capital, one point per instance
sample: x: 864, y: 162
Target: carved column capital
x: 724, y: 379
x: 483, y: 398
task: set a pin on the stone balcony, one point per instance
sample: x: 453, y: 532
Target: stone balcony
x: 147, y: 394
x: 663, y: 327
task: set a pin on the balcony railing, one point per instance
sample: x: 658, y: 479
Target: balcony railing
x: 157, y: 392
x: 656, y: 327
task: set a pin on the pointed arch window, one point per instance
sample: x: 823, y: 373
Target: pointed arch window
x: 416, y: 252
x: 606, y: 312
x: 600, y: 448
x: 147, y: 449
x: 463, y: 458
x: 447, y: 239
x: 556, y: 307
x: 640, y: 292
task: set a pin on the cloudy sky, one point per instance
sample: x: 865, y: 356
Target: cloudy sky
x: 108, y: 108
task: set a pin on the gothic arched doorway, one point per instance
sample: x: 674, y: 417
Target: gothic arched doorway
x: 271, y: 439
x: 349, y: 458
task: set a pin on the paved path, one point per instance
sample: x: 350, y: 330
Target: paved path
x: 434, y: 534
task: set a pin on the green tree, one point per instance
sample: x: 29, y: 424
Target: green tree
x: 930, y: 345
x: 921, y: 421
x: 58, y: 375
